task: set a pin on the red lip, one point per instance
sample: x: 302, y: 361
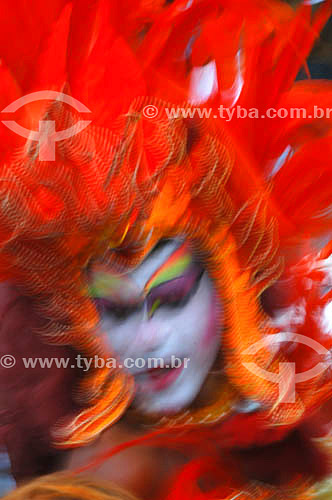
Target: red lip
x: 159, y: 379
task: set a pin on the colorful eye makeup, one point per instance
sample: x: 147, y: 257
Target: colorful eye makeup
x: 176, y: 292
x: 115, y: 288
x: 175, y: 266
x: 172, y: 284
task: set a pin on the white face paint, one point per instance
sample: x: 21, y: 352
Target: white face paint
x: 185, y: 329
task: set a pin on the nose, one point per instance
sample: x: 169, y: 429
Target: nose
x: 151, y: 335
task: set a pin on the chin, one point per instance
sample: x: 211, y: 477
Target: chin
x: 168, y: 404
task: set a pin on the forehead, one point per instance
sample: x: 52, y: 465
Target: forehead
x: 153, y: 262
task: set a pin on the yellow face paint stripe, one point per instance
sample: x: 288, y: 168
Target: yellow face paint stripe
x: 174, y: 267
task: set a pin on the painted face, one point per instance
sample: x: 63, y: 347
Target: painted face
x: 166, y: 307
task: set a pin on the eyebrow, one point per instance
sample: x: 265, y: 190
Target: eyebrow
x: 174, y: 267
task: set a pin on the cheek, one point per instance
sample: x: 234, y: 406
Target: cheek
x: 201, y: 317
x: 120, y: 336
x: 212, y: 324
x: 195, y: 331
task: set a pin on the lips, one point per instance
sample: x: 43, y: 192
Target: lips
x: 158, y: 379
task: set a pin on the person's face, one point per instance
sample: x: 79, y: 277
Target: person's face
x: 167, y: 306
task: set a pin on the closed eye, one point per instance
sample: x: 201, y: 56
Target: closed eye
x: 176, y: 292
x: 118, y: 311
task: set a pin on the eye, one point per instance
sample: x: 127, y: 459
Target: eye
x: 120, y: 313
x: 174, y: 293
x: 117, y: 311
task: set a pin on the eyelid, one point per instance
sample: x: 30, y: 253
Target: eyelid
x: 105, y: 305
x: 155, y: 294
x: 178, y: 263
x: 194, y: 270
